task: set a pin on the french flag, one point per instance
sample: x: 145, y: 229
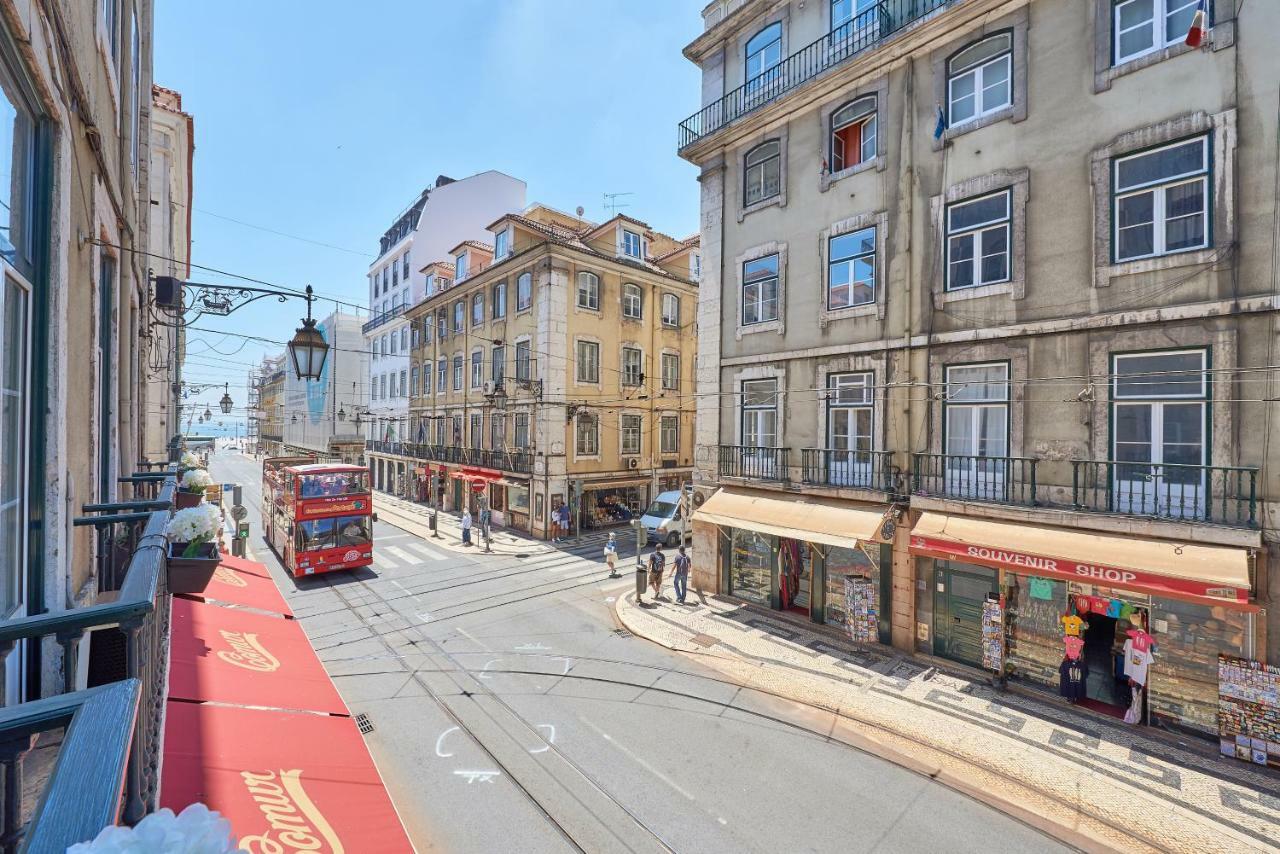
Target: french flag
x: 1199, y: 23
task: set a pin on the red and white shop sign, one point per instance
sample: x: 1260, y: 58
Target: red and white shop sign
x: 1089, y: 573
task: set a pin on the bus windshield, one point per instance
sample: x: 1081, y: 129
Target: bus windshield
x: 352, y: 531
x: 323, y: 485
x: 315, y: 535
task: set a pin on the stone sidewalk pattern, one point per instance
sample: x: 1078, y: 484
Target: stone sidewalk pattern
x: 1093, y: 783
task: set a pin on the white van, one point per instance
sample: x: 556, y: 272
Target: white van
x: 663, y: 519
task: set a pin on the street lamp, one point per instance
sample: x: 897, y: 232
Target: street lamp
x: 308, y: 347
x: 225, y: 403
x: 208, y: 415
x: 294, y: 420
x: 342, y: 414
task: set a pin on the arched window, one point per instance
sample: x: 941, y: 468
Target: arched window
x: 764, y: 52
x: 477, y: 309
x: 853, y: 133
x: 632, y: 301
x: 588, y: 291
x: 762, y: 172
x: 980, y: 79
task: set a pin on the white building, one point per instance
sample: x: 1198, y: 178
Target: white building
x: 319, y: 415
x: 442, y: 217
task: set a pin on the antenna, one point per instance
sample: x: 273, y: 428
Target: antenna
x: 611, y: 203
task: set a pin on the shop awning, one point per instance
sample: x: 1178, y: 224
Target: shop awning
x: 1160, y: 567
x: 235, y: 586
x: 799, y: 517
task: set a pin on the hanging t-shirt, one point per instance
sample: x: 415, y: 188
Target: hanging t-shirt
x: 1136, y: 662
x: 1074, y: 646
x: 1126, y: 611
x: 1072, y: 676
x: 1041, y: 588
x: 1071, y: 625
x: 1141, y: 640
x: 1113, y: 608
x: 1083, y: 604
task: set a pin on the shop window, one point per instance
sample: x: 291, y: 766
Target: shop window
x: 977, y: 241
x: 759, y: 413
x: 762, y: 173
x: 587, y: 434
x: 518, y: 499
x: 976, y: 427
x: 841, y: 563
x: 669, y: 428
x: 630, y: 434
x: 853, y: 134
x: 979, y: 80
x: 1159, y: 421
x: 1161, y: 201
x: 750, y: 566
x: 1033, y: 626
x: 632, y: 370
x: 851, y: 272
x: 1146, y: 26
x: 589, y: 291
x: 849, y: 405
x: 760, y: 290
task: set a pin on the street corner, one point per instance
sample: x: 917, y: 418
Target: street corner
x: 658, y: 622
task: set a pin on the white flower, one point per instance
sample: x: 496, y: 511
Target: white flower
x: 199, y: 522
x: 197, y: 830
x: 196, y: 479
x: 191, y: 461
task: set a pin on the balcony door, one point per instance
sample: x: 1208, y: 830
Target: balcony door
x: 15, y: 301
x: 854, y: 24
x: 977, y: 431
x: 759, y: 428
x: 1159, y: 418
x: 763, y: 56
x: 848, y: 449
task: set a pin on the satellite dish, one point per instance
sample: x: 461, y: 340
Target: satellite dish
x: 581, y: 211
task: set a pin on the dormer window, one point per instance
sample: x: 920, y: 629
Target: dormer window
x: 501, y: 244
x: 460, y: 265
x: 631, y: 244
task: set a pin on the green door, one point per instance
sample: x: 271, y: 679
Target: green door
x: 959, y: 593
x: 457, y: 496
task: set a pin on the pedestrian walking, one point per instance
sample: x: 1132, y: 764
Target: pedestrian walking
x: 466, y: 527
x: 566, y: 521
x: 556, y: 533
x: 657, y: 563
x: 611, y: 555
x: 680, y: 579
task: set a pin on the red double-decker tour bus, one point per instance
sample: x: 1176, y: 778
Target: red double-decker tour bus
x: 319, y: 515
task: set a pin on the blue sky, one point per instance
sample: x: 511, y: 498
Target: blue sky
x: 320, y: 123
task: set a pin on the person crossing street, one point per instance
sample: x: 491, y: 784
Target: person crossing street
x: 611, y: 555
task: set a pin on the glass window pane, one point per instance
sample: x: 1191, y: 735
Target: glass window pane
x: 852, y: 112
x: 993, y: 431
x: 1135, y: 12
x: 1184, y: 215
x: 864, y: 276
x: 963, y: 98
x: 1183, y: 159
x: 960, y: 434
x: 1160, y: 375
x: 1178, y: 20
x: 760, y: 268
x: 960, y: 267
x: 980, y: 52
x: 1183, y: 424
x: 978, y: 382
x: 763, y: 152
x: 978, y: 212
x: 995, y: 255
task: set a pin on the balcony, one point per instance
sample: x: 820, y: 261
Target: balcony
x: 850, y: 469
x: 1221, y: 495
x: 864, y: 32
x: 383, y: 317
x: 766, y: 464
x: 520, y: 462
x: 995, y: 480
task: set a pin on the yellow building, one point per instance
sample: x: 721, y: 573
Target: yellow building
x: 561, y: 357
x: 271, y: 406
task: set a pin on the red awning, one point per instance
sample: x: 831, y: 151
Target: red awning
x: 244, y: 565
x: 244, y: 588
x: 226, y: 656
x: 286, y: 781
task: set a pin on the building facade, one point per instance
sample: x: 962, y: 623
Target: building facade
x: 558, y: 363
x: 447, y: 212
x: 269, y: 380
x: 317, y: 416
x: 987, y: 328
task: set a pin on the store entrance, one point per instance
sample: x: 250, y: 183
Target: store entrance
x: 795, y: 575
x: 1104, y: 692
x: 961, y: 591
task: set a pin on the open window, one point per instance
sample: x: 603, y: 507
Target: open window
x: 853, y: 134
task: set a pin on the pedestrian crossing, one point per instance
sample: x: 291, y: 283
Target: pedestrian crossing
x: 405, y: 554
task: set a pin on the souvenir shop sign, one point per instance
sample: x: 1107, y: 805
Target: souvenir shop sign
x: 1055, y: 567
x: 1249, y: 710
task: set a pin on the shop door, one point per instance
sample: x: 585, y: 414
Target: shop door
x: 795, y: 575
x: 957, y: 620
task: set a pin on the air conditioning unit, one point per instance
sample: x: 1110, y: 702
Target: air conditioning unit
x: 633, y: 463
x: 489, y: 388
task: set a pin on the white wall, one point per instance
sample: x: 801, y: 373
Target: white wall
x: 315, y: 403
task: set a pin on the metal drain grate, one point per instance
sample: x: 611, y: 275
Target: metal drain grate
x: 366, y: 725
x: 621, y: 633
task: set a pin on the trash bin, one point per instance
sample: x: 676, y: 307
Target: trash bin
x: 642, y: 578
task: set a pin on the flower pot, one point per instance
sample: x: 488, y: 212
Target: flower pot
x: 186, y: 499
x: 192, y: 574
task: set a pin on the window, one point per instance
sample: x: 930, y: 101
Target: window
x: 632, y: 301
x: 459, y: 315
x: 457, y: 430
x: 1145, y: 26
x: 404, y: 339
x: 589, y: 291
x: 630, y: 435
x: 499, y: 300
x: 524, y: 291
x: 442, y: 325
x: 670, y: 310
x: 762, y: 173
x: 631, y: 244
x: 764, y: 52
x: 415, y: 337
x: 477, y: 309
x: 497, y: 431
x: 394, y: 338
x: 413, y: 380
x: 395, y: 392
x: 844, y: 13
x: 588, y: 362
x: 1159, y: 421
x: 386, y: 344
x: 1161, y: 200
x: 587, y: 434
x: 522, y: 361
x: 477, y: 368
x: 460, y: 265
x: 457, y: 372
x: 15, y: 301
x: 395, y: 274
x: 477, y: 429
x: 404, y: 262
x: 382, y: 391
x: 853, y: 134
x: 426, y: 329
x: 669, y: 434
x: 439, y: 430
x: 977, y: 418
x: 851, y: 272
x: 499, y: 356
x: 520, y: 421
x: 978, y: 241
x: 135, y: 88
x: 670, y: 371
x: 759, y: 413
x: 442, y: 375
x: 760, y: 290
x: 501, y: 244
x: 979, y: 79
x: 848, y: 440
x: 111, y: 26
x: 632, y: 371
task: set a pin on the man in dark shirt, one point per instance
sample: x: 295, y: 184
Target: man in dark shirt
x: 657, y: 563
x: 681, y: 577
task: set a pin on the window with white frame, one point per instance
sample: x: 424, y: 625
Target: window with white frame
x: 849, y: 410
x: 426, y: 329
x: 413, y: 380
x: 477, y: 429
x: 442, y: 375
x: 520, y: 423
x: 853, y: 133
x: 759, y: 413
x: 497, y: 431
x: 854, y: 19
x: 763, y: 54
x: 404, y: 383
x: 669, y: 434
x: 460, y: 262
x: 500, y: 300
x: 404, y: 262
x: 588, y: 291
x: 670, y: 310
x: 111, y: 14
x: 442, y: 325
x: 632, y: 368
x: 1141, y: 27
x: 382, y: 390
x: 499, y: 358
x: 851, y: 271
x: 760, y: 290
x: 524, y: 291
x: 414, y: 336
x: 395, y: 274
x: 632, y: 246
x: 977, y: 414
x: 477, y: 368
x: 477, y: 309
x: 587, y: 434
x: 629, y: 441
x: 457, y: 372
x: 501, y: 243
x: 394, y: 391
x: 459, y: 315
x: 440, y: 428
x: 523, y: 361
x: 632, y: 301
x: 670, y: 371
x: 393, y: 340
x: 404, y: 339
x: 980, y: 79
x: 762, y: 173
x: 978, y: 232
x: 588, y: 370
x: 1161, y: 200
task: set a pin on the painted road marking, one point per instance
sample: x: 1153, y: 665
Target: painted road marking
x: 440, y: 743
x: 402, y: 555
x: 549, y: 740
x: 478, y: 776
x: 635, y: 758
x: 427, y: 552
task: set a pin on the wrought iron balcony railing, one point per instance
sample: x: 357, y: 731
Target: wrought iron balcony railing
x: 768, y: 464
x: 999, y: 480
x: 1225, y: 495
x: 851, y: 469
x: 520, y: 462
x: 383, y: 317
x: 864, y: 32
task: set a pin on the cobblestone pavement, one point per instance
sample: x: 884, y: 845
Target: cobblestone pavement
x: 1074, y: 774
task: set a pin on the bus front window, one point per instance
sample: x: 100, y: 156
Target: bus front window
x: 353, y: 531
x: 315, y: 535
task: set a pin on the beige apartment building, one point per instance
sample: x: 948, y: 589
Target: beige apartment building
x: 558, y: 357
x: 987, y: 329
